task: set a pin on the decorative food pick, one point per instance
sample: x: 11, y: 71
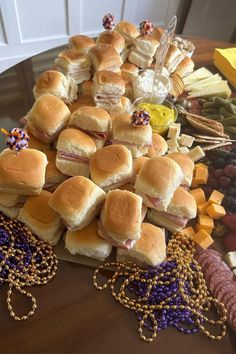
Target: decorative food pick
x: 24, y: 261
x: 146, y: 27
x: 172, y: 294
x: 140, y: 118
x: 108, y: 22
x: 16, y: 139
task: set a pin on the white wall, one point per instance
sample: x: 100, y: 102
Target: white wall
x: 28, y: 27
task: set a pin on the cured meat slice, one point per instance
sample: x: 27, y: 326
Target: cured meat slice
x: 223, y: 288
x: 223, y: 276
x: 232, y: 317
x: 213, y: 267
x: 209, y: 261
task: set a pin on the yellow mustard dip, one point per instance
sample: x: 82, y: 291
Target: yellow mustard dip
x: 160, y: 116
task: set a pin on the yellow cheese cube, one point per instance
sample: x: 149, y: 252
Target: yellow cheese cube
x: 216, y: 197
x: 189, y: 231
x: 216, y: 211
x: 198, y: 195
x: 201, y: 175
x: 206, y: 223
x: 202, y: 208
x: 203, y: 239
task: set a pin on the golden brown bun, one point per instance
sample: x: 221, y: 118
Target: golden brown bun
x: 22, y: 173
x: 73, y: 56
x: 121, y: 214
x: 86, y: 242
x: 149, y: 249
x: 146, y: 45
x: 104, y: 57
x: 108, y: 82
x: 77, y: 200
x: 76, y: 142
x: 83, y: 100
x: 172, y: 53
x: 157, y: 33
x: 53, y: 175
x: 185, y: 67
x: 186, y: 164
x: 113, y: 38
x: 50, y: 81
x: 159, y: 178
x: 159, y: 146
x: 86, y: 87
x: 81, y: 43
x: 141, y: 60
x: 49, y: 114
x: 129, y: 70
x: 91, y: 118
x: 127, y: 30
x: 111, y: 165
x: 36, y: 144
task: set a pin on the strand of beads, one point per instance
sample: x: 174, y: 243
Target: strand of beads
x: 24, y: 261
x: 172, y: 294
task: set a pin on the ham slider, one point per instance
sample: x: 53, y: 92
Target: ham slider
x: 150, y: 249
x: 157, y: 181
x: 113, y: 38
x: 47, y: 118
x: 121, y: 217
x: 136, y: 139
x: 142, y: 54
x: 187, y: 166
x: 181, y: 209
x: 93, y: 121
x: 78, y: 201
x: 41, y: 219
x: 82, y: 44
x: 74, y: 149
x: 86, y: 242
x: 56, y: 84
x: 128, y: 31
x: 23, y: 173
x: 10, y: 204
x: 111, y: 166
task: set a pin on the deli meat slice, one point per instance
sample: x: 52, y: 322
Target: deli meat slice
x: 104, y: 234
x: 176, y: 219
x: 156, y: 202
x: 72, y: 157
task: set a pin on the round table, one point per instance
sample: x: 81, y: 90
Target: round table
x: 72, y: 316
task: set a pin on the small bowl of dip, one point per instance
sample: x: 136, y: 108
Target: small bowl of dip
x: 161, y: 115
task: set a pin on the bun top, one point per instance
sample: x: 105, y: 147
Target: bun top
x: 74, y: 141
x: 37, y: 208
x: 182, y: 204
x: 185, y: 67
x: 172, y: 53
x: 121, y: 214
x: 73, y: 57
x: 152, y: 240
x: 157, y: 33
x: 186, y: 164
x: 127, y: 30
x: 159, y: 177
x: 24, y: 169
x: 129, y: 70
x: 113, y: 38
x: 109, y: 164
x: 48, y: 113
x: 159, y: 146
x: 146, y: 44
x: 108, y: 82
x: 50, y: 81
x: 124, y: 131
x: 81, y: 43
x: 104, y: 57
x: 91, y: 118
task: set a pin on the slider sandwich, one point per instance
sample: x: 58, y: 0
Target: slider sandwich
x: 111, y: 166
x: 136, y: 139
x: 150, y: 249
x: 128, y: 31
x: 93, y: 121
x: 53, y: 177
x: 41, y: 219
x: 158, y: 147
x: 173, y: 58
x: 143, y: 51
x: 56, y: 84
x: 157, y: 181
x: 187, y: 166
x: 115, y: 39
x: 180, y: 210
x: 75, y: 65
x: 74, y: 149
x: 78, y: 201
x: 22, y: 173
x: 121, y: 217
x: 86, y: 242
x: 47, y: 118
x: 107, y: 90
x: 82, y: 44
x: 105, y: 57
x: 185, y: 67
x: 157, y: 33
x: 10, y: 204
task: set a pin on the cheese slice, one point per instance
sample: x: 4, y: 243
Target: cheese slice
x: 199, y: 85
x: 219, y: 89
x: 199, y: 74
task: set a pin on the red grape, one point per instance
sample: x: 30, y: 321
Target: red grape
x: 230, y: 241
x: 224, y: 181
x: 219, y: 172
x: 230, y: 170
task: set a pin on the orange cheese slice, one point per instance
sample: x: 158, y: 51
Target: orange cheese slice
x: 216, y: 211
x: 216, y: 197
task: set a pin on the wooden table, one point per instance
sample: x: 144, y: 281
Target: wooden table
x: 72, y: 316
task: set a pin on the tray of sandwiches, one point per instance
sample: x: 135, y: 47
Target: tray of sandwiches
x: 112, y: 169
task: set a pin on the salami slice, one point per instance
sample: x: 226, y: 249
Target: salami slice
x: 223, y: 289
x: 208, y: 262
x: 231, y: 301
x: 208, y: 253
x: 232, y: 314
x: 210, y: 270
x: 223, y: 276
